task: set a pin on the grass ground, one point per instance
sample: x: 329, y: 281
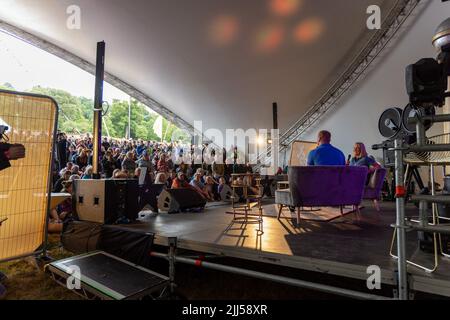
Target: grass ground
x: 27, y: 280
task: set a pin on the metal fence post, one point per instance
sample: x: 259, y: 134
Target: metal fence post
x: 400, y: 206
x: 171, y: 258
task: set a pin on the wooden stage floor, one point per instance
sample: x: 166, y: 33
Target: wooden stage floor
x: 344, y: 247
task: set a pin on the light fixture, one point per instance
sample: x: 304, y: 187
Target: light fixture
x: 442, y: 37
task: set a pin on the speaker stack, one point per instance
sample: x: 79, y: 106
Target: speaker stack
x: 106, y: 201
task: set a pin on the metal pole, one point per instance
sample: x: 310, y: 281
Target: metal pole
x: 430, y: 148
x: 400, y: 204
x: 129, y: 119
x: 98, y: 110
x: 420, y: 133
x: 171, y: 258
x: 49, y: 182
x: 274, y: 278
x: 275, y: 115
x: 433, y: 118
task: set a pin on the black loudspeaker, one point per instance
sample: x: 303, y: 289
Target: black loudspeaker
x: 106, y: 201
x: 176, y: 200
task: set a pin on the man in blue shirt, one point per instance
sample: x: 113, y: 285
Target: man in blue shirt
x: 325, y: 154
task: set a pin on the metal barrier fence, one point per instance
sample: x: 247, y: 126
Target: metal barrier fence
x: 25, y: 186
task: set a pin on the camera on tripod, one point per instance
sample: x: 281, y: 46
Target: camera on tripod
x: 427, y: 79
x: 426, y: 85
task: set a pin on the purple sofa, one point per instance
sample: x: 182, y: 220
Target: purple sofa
x: 323, y: 186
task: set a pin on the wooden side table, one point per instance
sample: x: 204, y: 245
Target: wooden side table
x: 251, y: 201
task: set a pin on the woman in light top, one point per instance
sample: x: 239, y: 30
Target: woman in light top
x: 361, y: 158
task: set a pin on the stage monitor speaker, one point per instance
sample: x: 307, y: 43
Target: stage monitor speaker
x: 106, y: 201
x: 176, y: 200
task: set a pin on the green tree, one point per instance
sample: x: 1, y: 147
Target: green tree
x: 7, y: 86
x: 76, y: 116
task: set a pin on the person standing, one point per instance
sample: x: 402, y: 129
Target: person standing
x: 61, y: 150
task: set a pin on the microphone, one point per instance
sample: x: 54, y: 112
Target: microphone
x: 349, y: 158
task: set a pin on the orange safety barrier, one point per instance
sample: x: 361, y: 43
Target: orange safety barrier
x: 25, y: 186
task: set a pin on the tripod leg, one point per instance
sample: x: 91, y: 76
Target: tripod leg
x: 418, y: 178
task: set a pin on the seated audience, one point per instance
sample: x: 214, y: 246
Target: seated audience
x: 76, y: 170
x: 109, y: 164
x: 88, y: 173
x: 161, y: 178
x: 59, y: 183
x: 145, y: 161
x: 82, y: 160
x: 180, y: 182
x: 128, y: 163
x: 74, y: 177
x: 325, y: 154
x: 63, y: 212
x: 162, y: 164
x: 200, y: 186
x: 210, y: 188
x: 220, y: 186
x: 172, y: 176
x: 68, y: 167
x: 121, y: 174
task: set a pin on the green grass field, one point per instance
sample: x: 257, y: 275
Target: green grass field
x: 28, y: 281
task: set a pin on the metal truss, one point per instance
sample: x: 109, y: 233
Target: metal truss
x: 402, y: 10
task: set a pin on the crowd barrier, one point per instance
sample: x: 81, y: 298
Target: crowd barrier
x: 26, y: 185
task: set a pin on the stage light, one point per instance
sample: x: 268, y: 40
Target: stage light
x: 309, y: 30
x: 223, y: 30
x: 261, y: 140
x: 270, y: 38
x: 284, y: 8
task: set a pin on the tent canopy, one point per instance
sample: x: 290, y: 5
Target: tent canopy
x: 224, y: 61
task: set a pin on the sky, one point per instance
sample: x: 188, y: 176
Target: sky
x: 25, y: 66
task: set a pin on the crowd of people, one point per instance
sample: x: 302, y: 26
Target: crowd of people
x: 153, y: 163
x: 174, y: 165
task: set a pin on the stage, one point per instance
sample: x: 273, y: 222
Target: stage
x: 344, y: 247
